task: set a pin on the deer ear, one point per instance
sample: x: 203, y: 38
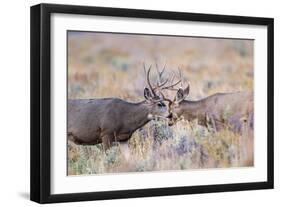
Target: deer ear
x: 181, y: 94
x: 186, y: 90
x: 147, y: 94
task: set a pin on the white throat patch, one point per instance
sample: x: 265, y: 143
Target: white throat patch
x: 150, y: 116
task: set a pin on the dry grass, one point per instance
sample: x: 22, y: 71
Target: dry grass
x: 185, y: 146
x: 110, y: 65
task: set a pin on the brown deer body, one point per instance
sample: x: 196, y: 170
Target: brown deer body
x: 220, y: 110
x: 94, y: 121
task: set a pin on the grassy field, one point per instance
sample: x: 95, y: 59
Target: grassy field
x: 110, y: 65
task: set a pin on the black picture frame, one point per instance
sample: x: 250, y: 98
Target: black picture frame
x: 41, y: 99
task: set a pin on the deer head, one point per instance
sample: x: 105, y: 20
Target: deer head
x: 174, y: 106
x: 153, y: 96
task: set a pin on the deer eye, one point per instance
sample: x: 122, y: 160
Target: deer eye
x: 160, y: 104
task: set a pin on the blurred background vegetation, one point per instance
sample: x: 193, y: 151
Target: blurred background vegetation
x: 110, y: 65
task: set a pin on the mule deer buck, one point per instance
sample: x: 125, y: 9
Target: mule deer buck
x: 220, y: 110
x: 94, y: 121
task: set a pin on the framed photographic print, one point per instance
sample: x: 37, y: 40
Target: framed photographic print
x: 132, y: 103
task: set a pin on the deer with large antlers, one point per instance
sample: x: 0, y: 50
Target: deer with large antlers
x: 94, y: 121
x: 220, y: 110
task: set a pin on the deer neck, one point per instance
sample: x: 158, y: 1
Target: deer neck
x: 138, y: 115
x: 193, y: 109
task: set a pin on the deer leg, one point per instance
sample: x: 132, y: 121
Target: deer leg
x: 214, y: 124
x: 206, y: 122
x: 106, y: 142
x: 210, y: 119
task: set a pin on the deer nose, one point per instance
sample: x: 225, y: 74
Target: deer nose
x: 170, y: 122
x: 170, y: 116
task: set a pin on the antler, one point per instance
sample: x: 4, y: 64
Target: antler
x: 148, y: 79
x: 160, y: 74
x: 166, y: 99
x: 161, y: 84
x: 171, y: 87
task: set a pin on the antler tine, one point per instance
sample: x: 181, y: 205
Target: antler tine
x: 156, y: 65
x: 180, y: 76
x: 173, y: 77
x: 148, y: 80
x: 162, y: 84
x: 160, y: 73
x: 163, y: 70
x: 144, y: 68
x: 159, y: 77
x: 165, y: 99
x: 171, y: 87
